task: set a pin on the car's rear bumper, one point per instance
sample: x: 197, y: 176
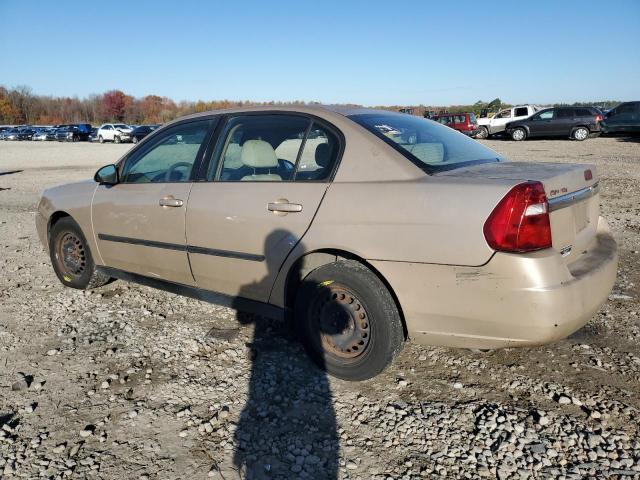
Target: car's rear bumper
x: 513, y: 300
x: 470, y: 133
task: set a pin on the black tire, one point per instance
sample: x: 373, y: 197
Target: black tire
x: 518, y: 134
x: 580, y: 134
x: 135, y: 140
x: 116, y: 139
x: 71, y: 257
x: 483, y: 133
x: 348, y: 300
x: 100, y: 139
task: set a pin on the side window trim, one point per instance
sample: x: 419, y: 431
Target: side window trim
x: 301, y: 150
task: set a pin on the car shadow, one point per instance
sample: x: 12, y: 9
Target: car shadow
x: 287, y: 428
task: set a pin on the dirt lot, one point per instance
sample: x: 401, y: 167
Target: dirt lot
x: 129, y: 382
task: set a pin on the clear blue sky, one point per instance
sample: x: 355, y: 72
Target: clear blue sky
x: 366, y: 52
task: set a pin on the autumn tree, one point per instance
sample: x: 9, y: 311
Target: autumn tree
x: 115, y: 104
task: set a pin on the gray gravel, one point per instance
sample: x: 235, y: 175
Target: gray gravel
x: 129, y: 382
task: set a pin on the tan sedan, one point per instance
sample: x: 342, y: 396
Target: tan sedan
x: 367, y: 227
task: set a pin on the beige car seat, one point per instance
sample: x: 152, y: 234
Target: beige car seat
x: 259, y: 154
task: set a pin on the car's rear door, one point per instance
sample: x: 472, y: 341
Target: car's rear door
x: 562, y: 124
x: 264, y: 183
x: 139, y: 224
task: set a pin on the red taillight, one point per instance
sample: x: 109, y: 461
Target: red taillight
x: 520, y: 222
x: 599, y: 118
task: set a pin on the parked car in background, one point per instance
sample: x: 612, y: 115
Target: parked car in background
x: 463, y: 122
x: 40, y: 134
x: 26, y: 133
x: 497, y: 123
x: 72, y: 132
x: 625, y: 118
x: 142, y: 131
x: 93, y: 135
x: 66, y: 134
x: 51, y: 133
x: 114, y: 132
x: 4, y: 132
x: 280, y: 218
x: 571, y: 122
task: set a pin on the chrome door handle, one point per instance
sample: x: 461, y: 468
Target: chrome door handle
x: 282, y: 206
x: 170, y: 202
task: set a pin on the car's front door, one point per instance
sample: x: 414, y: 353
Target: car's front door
x: 500, y: 119
x: 540, y: 123
x: 265, y: 182
x: 139, y: 223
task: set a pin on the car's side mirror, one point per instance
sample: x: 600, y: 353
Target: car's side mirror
x: 107, y: 175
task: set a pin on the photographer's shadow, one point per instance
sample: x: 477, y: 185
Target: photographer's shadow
x: 287, y: 428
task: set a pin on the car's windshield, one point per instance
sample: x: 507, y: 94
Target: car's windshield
x: 431, y: 146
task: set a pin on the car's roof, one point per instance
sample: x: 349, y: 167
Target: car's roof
x: 343, y: 110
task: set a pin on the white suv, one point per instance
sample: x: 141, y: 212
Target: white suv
x: 496, y: 124
x: 114, y: 132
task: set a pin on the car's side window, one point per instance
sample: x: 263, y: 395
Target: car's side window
x: 504, y: 114
x: 170, y: 158
x: 259, y: 148
x: 565, y: 113
x: 546, y: 115
x: 521, y: 112
x: 318, y: 155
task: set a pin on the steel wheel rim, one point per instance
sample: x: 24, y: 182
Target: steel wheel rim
x: 342, y: 322
x: 71, y: 255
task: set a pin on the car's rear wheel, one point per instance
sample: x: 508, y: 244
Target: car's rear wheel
x: 348, y: 321
x: 71, y: 257
x: 518, y: 134
x: 116, y: 139
x: 100, y: 139
x: 580, y: 133
x: 483, y: 132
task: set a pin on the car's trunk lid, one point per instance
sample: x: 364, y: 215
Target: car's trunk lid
x: 572, y: 191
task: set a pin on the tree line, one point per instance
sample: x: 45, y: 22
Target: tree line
x: 19, y: 105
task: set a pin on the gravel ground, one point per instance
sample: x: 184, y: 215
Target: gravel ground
x: 129, y: 382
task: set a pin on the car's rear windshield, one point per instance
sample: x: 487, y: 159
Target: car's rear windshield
x: 431, y: 146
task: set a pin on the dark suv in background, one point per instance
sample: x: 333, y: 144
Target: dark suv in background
x: 73, y: 132
x: 625, y: 118
x: 571, y: 122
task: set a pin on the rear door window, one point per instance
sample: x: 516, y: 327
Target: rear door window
x: 565, y: 113
x: 259, y: 148
x: 521, y: 112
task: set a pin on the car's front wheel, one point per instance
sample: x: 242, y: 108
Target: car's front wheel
x: 71, y: 257
x: 483, y: 132
x: 134, y: 139
x: 348, y: 320
x: 518, y: 134
x: 116, y: 139
x: 100, y: 139
x: 581, y: 133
